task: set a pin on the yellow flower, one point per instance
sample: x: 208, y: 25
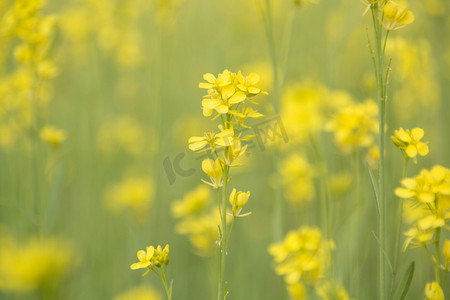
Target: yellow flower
x: 135, y: 194
x: 297, y: 291
x: 237, y: 201
x: 303, y: 255
x: 139, y: 293
x: 151, y: 258
x: 214, y: 170
x: 247, y: 84
x: 218, y: 83
x: 332, y: 291
x: 54, y: 137
x: 397, y: 16
x: 37, y: 264
x: 192, y: 203
x: 433, y: 291
x: 355, y: 126
x: 409, y: 141
x: 210, y: 139
x: 297, y: 179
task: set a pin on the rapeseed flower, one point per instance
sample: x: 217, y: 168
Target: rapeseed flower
x: 194, y: 202
x: 433, y: 291
x: 397, y: 16
x: 409, y: 142
x: 214, y: 170
x: 427, y: 204
x: 238, y: 201
x: 297, y: 178
x: 211, y: 140
x: 151, y: 258
x: 54, y: 137
x: 302, y: 256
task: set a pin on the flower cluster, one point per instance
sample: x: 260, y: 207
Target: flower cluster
x: 151, y: 258
x: 355, y: 126
x: 198, y: 219
x: 27, y: 36
x: 427, y: 204
x: 297, y: 177
x: 38, y: 264
x: 409, y: 142
x: 302, y: 257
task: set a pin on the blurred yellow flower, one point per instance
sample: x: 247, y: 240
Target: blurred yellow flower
x: 355, y: 126
x: 297, y: 291
x: 332, y: 291
x: 135, y: 194
x: 302, y: 256
x: 297, y: 179
x: 54, y: 137
x: 37, y: 264
x: 139, y: 293
x: 193, y: 202
x: 397, y: 16
x: 409, y: 141
x: 433, y: 291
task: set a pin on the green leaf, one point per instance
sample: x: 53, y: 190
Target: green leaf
x: 403, y: 287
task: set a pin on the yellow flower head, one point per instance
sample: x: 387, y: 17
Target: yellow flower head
x: 193, y: 202
x: 397, y: 16
x: 151, y: 258
x: 211, y: 140
x: 433, y: 291
x: 214, y: 170
x: 237, y: 201
x: 303, y: 255
x: 409, y: 141
x: 297, y: 291
x: 54, y: 137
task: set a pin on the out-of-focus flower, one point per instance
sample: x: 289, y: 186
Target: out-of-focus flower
x: 135, y: 194
x: 193, y: 202
x: 38, y: 264
x: 409, y: 141
x: 54, y: 137
x: 340, y: 183
x: 302, y: 256
x: 297, y: 179
x: 332, y: 291
x: 397, y: 16
x: 373, y: 156
x: 139, y: 293
x: 297, y: 291
x: 355, y: 126
x: 433, y: 291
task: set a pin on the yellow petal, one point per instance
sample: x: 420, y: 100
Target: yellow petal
x: 210, y: 103
x: 227, y: 91
x: 411, y: 150
x: 204, y: 85
x: 403, y: 135
x: 141, y: 255
x: 222, y: 109
x: 417, y: 133
x: 208, y: 167
x: 197, y: 146
x: 253, y: 78
x: 422, y: 148
x: 209, y: 77
x: 139, y: 265
x: 407, y: 19
x: 426, y: 197
x: 150, y: 252
x: 237, y: 98
x: 404, y: 193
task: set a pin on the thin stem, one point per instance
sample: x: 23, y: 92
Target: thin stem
x: 399, y: 230
x: 163, y: 277
x: 381, y: 166
x: 222, y: 254
x: 438, y: 256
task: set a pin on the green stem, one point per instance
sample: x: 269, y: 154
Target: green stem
x: 163, y: 277
x: 399, y: 230
x: 222, y: 253
x: 438, y: 256
x: 381, y: 167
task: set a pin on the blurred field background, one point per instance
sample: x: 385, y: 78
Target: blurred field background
x: 123, y: 88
